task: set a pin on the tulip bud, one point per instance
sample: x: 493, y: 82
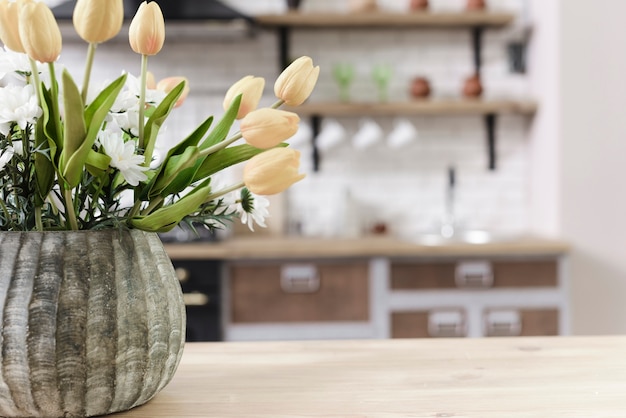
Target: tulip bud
x: 296, y: 82
x: 39, y: 32
x: 150, y: 80
x: 272, y: 171
x: 97, y: 21
x: 147, y: 29
x: 251, y: 89
x: 266, y: 128
x: 168, y: 84
x: 9, y: 28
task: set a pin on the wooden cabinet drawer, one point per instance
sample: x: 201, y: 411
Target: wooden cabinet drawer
x: 261, y: 293
x: 520, y: 322
x: 450, y: 275
x: 443, y: 322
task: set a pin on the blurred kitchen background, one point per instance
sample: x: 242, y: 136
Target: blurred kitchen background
x: 555, y: 173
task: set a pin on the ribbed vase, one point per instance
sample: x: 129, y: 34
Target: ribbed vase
x: 93, y: 322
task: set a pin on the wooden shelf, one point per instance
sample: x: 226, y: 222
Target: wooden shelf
x: 385, y: 19
x: 433, y: 107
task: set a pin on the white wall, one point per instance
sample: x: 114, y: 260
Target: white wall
x: 593, y: 144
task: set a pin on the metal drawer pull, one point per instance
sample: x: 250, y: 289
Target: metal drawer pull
x: 503, y: 323
x: 299, y: 278
x: 196, y: 299
x: 182, y: 274
x: 473, y: 274
x: 446, y: 324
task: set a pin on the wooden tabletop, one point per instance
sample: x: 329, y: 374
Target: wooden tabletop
x: 519, y: 377
x: 259, y: 248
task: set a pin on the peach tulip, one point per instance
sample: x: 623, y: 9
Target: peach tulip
x: 167, y: 84
x: 146, y: 33
x: 296, y: 82
x: 272, y: 171
x: 97, y: 21
x: 251, y: 89
x: 39, y: 32
x: 266, y: 128
x: 9, y: 27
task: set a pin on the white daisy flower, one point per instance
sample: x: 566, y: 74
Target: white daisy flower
x: 5, y: 157
x: 252, y: 208
x: 18, y: 104
x: 15, y: 65
x: 123, y: 156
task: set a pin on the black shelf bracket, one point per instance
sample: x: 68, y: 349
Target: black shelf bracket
x: 477, y: 46
x: 490, y: 126
x: 316, y: 126
x: 283, y: 47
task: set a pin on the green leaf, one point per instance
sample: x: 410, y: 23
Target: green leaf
x: 225, y: 158
x: 98, y: 160
x: 167, y: 217
x: 75, y: 130
x: 51, y: 120
x: 218, y: 134
x: 44, y: 169
x: 157, y: 118
x: 191, y: 141
x: 94, y: 116
x: 174, y: 166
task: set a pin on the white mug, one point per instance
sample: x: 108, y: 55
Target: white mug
x: 369, y: 133
x: 332, y: 134
x: 403, y: 134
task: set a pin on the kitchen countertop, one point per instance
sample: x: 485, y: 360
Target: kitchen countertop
x: 383, y: 246
x: 520, y: 377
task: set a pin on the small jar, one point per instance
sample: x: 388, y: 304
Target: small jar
x: 475, y: 5
x: 472, y: 87
x: 418, y: 5
x: 420, y: 87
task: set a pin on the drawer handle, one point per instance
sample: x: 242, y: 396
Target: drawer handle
x: 448, y: 323
x: 182, y: 274
x: 476, y: 274
x: 196, y: 299
x: 503, y: 323
x: 299, y: 278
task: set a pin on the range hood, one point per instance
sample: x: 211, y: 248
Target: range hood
x: 173, y: 10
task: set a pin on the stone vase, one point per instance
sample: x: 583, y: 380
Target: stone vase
x: 93, y: 322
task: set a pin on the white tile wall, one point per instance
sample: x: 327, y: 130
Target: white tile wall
x: 404, y: 188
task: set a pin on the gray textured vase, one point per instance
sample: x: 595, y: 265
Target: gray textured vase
x: 93, y: 322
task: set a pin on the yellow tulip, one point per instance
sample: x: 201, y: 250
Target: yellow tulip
x: 39, y: 32
x: 97, y: 21
x: 251, y: 89
x: 272, y: 171
x: 9, y: 29
x: 147, y: 29
x: 167, y: 84
x: 296, y: 82
x: 266, y: 128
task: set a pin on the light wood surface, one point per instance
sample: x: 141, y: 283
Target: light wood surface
x: 386, y: 19
x: 429, y: 107
x: 522, y: 377
x: 308, y: 248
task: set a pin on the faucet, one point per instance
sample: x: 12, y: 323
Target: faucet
x: 447, y: 228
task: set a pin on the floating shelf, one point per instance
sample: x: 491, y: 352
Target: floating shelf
x: 385, y: 19
x: 432, y: 107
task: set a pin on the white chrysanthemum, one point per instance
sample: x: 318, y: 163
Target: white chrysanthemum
x: 153, y: 96
x: 251, y: 209
x: 123, y: 157
x: 5, y: 157
x: 19, y: 105
x: 16, y: 65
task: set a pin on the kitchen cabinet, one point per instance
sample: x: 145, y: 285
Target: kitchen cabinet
x: 380, y: 287
x: 475, y: 21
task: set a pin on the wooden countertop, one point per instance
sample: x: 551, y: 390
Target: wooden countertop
x: 523, y: 377
x: 293, y: 248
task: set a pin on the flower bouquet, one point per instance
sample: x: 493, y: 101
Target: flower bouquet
x: 76, y: 158
x: 93, y: 318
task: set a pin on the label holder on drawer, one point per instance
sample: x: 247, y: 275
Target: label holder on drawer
x: 473, y: 274
x: 299, y: 278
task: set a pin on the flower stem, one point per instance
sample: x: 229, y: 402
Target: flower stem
x: 224, y: 191
x: 38, y: 218
x: 69, y: 207
x: 35, y: 74
x: 142, y: 98
x: 278, y: 104
x: 156, y: 202
x: 91, y: 51
x: 220, y: 145
x: 54, y: 90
